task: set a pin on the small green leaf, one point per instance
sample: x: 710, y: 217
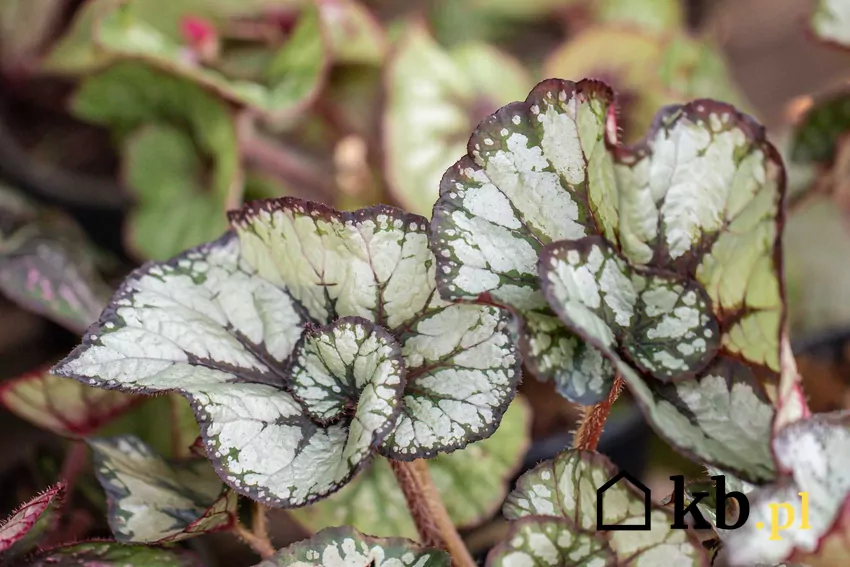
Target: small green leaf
x: 472, y: 483
x: 831, y: 22
x: 548, y: 541
x: 566, y: 487
x: 61, y: 405
x: 20, y: 531
x: 434, y: 99
x: 809, y: 498
x: 153, y: 501
x: 345, y: 546
x: 169, y: 128
x: 174, y: 210
x: 110, y: 554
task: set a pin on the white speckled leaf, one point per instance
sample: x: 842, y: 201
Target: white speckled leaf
x: 813, y: 457
x: 346, y: 547
x: 721, y: 418
x: 702, y: 196
x: 698, y: 201
x: 473, y: 483
x: 205, y: 325
x: 153, y: 501
x: 461, y: 363
x: 536, y: 172
x: 831, y: 22
x: 434, y: 99
x: 566, y: 486
x: 540, y: 541
x: 660, y: 323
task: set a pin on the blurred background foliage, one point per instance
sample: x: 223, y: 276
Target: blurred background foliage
x: 129, y: 127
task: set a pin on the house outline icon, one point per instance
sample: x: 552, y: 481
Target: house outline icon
x: 600, y: 502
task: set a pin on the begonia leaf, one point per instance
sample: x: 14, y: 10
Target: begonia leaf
x: 245, y: 326
x: 293, y: 75
x: 335, y: 547
x: 473, y: 483
x: 551, y: 542
x: 685, y: 226
x: 155, y: 501
x: 61, y: 405
x: 801, y: 516
x: 566, y: 487
x: 47, y: 264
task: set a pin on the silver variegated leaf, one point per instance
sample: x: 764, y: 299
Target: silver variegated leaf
x: 155, y: 501
x: 566, y: 487
x: 660, y: 323
x: 461, y: 363
x: 205, y: 326
x: 536, y: 172
x: 541, y: 541
x: 373, y: 503
x: 803, y: 515
x: 687, y: 223
x: 343, y: 547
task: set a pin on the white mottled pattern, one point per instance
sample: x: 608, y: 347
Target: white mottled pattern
x: 336, y: 266
x: 536, y: 542
x: 566, y: 488
x: 242, y: 422
x: 462, y: 367
x: 346, y: 547
x: 350, y: 363
x: 732, y: 424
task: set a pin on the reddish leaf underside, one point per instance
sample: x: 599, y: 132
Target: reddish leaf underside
x: 61, y: 405
x: 22, y: 521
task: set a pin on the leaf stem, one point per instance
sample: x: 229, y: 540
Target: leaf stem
x: 432, y: 520
x: 260, y: 543
x: 259, y: 521
x: 589, y: 431
x: 303, y: 177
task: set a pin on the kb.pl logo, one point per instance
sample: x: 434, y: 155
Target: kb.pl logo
x: 782, y: 514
